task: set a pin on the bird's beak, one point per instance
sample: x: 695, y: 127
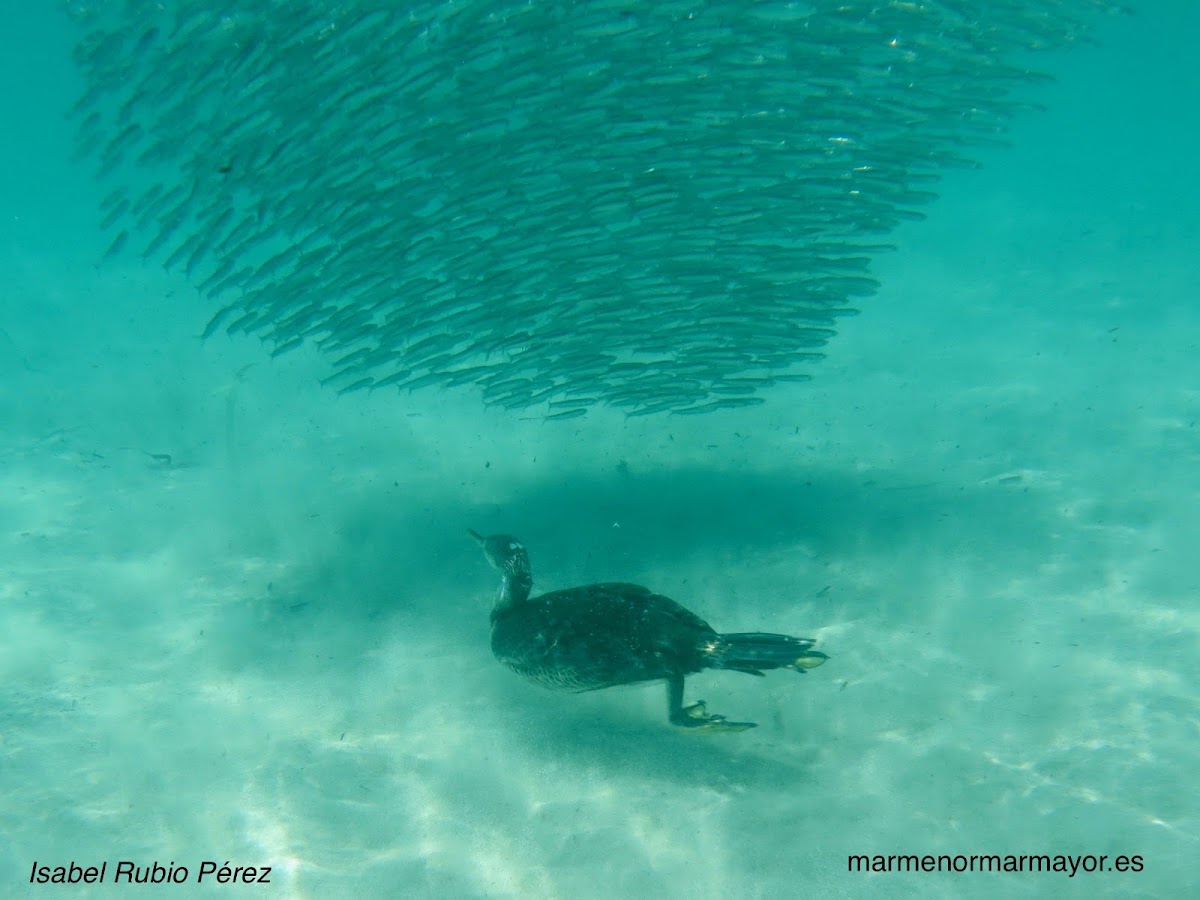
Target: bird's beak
x: 478, y: 537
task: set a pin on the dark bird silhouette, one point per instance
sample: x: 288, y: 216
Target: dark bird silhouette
x: 602, y: 635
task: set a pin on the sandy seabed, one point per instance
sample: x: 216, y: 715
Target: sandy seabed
x: 242, y: 620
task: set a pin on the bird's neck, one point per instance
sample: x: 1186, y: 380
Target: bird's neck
x: 516, y: 581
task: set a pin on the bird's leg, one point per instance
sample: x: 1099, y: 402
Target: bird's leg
x: 696, y: 716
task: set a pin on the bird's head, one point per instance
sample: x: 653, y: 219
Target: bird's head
x: 503, y: 551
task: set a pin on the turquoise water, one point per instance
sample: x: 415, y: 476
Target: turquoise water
x: 243, y: 620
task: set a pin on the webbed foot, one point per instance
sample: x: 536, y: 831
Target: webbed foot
x: 697, y: 718
x: 809, y: 659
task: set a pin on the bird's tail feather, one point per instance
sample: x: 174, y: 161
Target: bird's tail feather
x: 753, y: 651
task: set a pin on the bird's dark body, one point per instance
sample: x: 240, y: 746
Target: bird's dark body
x: 599, y: 636
x: 602, y: 635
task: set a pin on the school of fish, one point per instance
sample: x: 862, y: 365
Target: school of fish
x: 660, y: 205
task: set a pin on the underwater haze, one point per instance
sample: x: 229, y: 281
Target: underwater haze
x: 917, y: 377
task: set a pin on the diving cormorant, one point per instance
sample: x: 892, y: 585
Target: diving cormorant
x: 603, y: 635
